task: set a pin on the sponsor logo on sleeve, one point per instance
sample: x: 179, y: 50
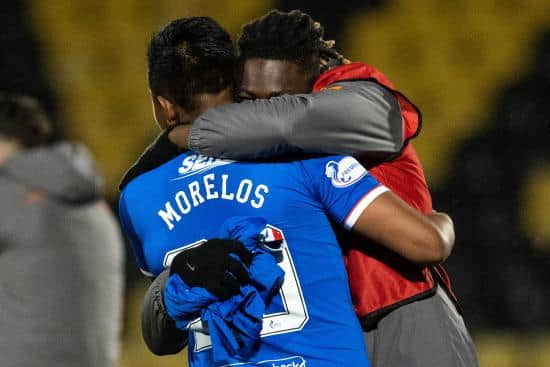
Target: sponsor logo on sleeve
x: 345, y: 172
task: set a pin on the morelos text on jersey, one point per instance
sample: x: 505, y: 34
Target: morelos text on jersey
x: 311, y: 322
x: 208, y: 187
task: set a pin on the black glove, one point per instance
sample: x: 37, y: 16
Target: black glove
x: 214, y: 265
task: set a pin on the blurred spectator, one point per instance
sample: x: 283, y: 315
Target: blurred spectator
x: 22, y: 67
x: 506, y: 283
x: 61, y: 254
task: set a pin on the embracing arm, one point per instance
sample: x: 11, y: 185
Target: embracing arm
x: 158, y: 329
x: 354, y: 117
x: 424, y: 239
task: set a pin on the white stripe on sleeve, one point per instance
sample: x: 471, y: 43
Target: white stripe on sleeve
x: 362, y: 204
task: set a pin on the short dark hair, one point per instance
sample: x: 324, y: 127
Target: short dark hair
x: 190, y: 56
x: 22, y: 118
x: 293, y: 36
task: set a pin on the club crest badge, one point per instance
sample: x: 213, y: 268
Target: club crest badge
x: 345, y: 172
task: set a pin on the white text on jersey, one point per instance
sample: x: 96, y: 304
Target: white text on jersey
x: 198, y: 163
x: 211, y: 187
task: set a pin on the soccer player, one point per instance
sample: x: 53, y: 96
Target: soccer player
x: 174, y: 206
x: 355, y: 111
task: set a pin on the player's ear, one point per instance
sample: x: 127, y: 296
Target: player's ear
x: 168, y: 107
x: 165, y: 111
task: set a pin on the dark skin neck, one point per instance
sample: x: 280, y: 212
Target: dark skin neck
x: 168, y: 113
x: 207, y: 101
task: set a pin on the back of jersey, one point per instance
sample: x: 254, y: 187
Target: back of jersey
x: 185, y: 201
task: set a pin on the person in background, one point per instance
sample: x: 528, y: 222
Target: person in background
x: 61, y: 253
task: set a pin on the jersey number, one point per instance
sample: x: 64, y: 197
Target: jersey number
x: 292, y: 318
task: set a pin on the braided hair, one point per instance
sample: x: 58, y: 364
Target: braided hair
x: 292, y: 36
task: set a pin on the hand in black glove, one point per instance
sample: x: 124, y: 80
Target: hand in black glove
x: 214, y: 265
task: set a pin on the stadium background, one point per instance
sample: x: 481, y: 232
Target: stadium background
x: 479, y: 70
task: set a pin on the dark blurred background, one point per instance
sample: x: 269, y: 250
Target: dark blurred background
x: 479, y: 70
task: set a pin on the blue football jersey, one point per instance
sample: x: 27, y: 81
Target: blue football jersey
x: 312, y: 321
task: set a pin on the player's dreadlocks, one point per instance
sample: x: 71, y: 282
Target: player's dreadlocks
x: 292, y: 36
x: 190, y: 56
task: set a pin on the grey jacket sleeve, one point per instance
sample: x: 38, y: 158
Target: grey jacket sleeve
x: 158, y: 329
x: 357, y: 117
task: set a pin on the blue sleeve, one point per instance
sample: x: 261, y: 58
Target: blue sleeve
x: 131, y: 235
x: 343, y: 187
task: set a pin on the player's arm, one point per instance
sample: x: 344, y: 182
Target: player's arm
x: 423, y: 239
x: 357, y: 201
x: 356, y: 118
x: 159, y: 331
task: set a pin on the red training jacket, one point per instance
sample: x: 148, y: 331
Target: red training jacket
x: 380, y: 280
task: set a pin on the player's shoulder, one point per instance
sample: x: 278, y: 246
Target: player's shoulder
x: 341, y: 170
x: 337, y: 163
x: 156, y: 177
